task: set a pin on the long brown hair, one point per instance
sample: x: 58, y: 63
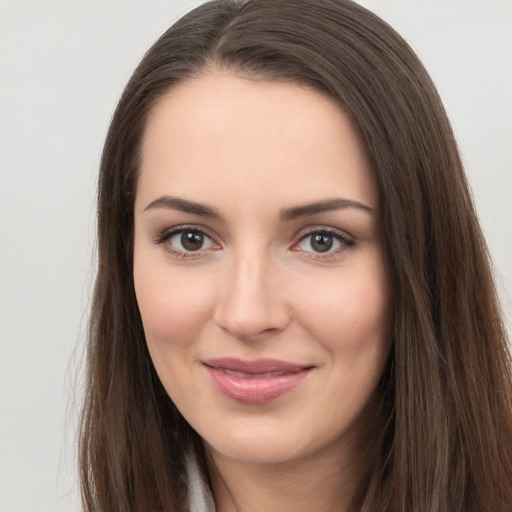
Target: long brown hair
x: 445, y: 440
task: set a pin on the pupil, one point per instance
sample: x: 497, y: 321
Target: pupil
x: 321, y: 243
x: 192, y: 240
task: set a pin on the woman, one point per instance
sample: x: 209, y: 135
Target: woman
x: 294, y: 308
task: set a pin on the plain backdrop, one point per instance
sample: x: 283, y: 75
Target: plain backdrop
x: 62, y: 68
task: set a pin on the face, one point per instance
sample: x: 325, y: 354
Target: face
x: 258, y: 266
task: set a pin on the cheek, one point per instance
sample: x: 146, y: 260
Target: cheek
x: 174, y: 309
x: 350, y: 312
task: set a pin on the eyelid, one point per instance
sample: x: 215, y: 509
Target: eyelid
x: 164, y: 235
x: 347, y: 241
x: 303, y: 233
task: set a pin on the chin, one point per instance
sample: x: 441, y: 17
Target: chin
x: 267, y: 444
x: 256, y: 451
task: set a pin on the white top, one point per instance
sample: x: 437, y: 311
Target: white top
x: 199, y: 494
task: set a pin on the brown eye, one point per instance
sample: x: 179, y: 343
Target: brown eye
x: 185, y: 241
x: 321, y: 242
x: 192, y: 240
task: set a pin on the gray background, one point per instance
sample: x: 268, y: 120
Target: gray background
x: 62, y: 67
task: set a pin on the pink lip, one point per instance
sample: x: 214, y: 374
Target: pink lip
x: 255, y: 382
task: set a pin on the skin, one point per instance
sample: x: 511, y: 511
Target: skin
x: 259, y: 288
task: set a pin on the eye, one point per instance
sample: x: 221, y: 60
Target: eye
x: 188, y: 240
x: 323, y: 241
x: 185, y: 241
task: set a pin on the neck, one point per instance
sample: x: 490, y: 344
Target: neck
x: 323, y: 482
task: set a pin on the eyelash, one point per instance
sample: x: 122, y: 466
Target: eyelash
x: 344, y: 241
x: 167, y: 234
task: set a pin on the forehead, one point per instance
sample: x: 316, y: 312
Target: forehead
x: 219, y: 131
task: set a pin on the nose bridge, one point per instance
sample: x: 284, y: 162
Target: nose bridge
x: 250, y: 302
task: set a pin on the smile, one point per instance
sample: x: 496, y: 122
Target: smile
x: 255, y: 382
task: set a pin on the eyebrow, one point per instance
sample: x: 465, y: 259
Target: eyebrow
x: 184, y: 205
x: 336, y: 203
x: 285, y: 215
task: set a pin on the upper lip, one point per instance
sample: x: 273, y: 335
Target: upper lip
x: 256, y: 366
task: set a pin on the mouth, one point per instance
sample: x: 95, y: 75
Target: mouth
x: 255, y: 382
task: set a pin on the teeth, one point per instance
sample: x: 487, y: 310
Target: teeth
x: 251, y: 375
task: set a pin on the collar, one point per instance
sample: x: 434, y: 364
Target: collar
x: 199, y: 495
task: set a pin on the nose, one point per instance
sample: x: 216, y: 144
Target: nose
x: 252, y: 300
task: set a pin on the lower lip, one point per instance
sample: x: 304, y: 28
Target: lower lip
x: 255, y: 390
